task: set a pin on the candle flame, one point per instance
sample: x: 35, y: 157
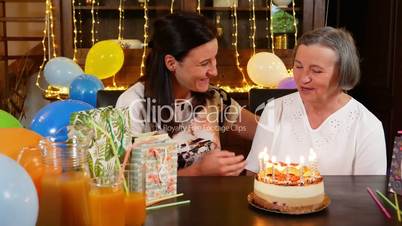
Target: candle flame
x: 266, y: 157
x: 261, y: 155
x: 287, y: 161
x: 312, y: 155
x: 301, y: 162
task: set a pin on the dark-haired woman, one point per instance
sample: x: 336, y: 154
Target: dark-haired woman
x: 175, y: 96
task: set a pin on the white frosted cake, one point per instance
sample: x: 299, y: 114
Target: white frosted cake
x: 289, y: 188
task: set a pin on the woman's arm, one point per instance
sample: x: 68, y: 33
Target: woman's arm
x: 216, y: 163
x: 247, y: 124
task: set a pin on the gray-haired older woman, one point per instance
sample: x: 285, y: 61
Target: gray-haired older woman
x: 321, y: 117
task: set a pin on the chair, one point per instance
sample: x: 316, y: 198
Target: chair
x: 106, y: 98
x: 259, y: 97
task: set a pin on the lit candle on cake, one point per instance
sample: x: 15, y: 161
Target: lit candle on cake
x: 301, y: 165
x: 312, y: 158
x: 273, y: 160
x: 263, y: 159
x: 287, y: 161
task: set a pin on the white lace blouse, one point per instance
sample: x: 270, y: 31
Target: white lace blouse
x: 349, y: 142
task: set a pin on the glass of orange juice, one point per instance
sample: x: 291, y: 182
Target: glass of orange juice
x: 135, y: 197
x: 64, y: 184
x: 106, y: 202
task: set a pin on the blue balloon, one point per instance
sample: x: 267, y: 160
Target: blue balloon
x: 61, y: 71
x: 84, y: 88
x: 53, y: 119
x: 18, y: 197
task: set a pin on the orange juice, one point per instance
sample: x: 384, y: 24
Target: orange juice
x: 106, y: 206
x: 64, y: 199
x: 50, y: 210
x: 135, y: 208
x: 75, y: 188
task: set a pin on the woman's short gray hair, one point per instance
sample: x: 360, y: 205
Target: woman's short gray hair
x: 341, y: 41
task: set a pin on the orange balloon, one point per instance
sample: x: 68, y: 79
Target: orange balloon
x: 31, y: 160
x: 14, y: 139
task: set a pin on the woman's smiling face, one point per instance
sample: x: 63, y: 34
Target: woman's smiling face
x: 197, y: 67
x: 315, y: 72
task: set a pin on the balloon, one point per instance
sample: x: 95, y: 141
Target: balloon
x: 84, y: 88
x: 53, y: 119
x: 18, y: 198
x: 266, y: 69
x: 60, y: 71
x: 31, y: 159
x: 7, y: 120
x: 104, y: 59
x: 287, y: 83
x: 14, y: 139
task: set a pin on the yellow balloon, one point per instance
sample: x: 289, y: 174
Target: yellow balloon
x: 266, y: 69
x: 104, y: 59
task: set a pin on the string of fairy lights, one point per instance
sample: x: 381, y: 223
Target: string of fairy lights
x: 245, y: 86
x: 75, y: 32
x: 79, y: 24
x: 97, y: 21
x: 93, y: 22
x: 253, y: 25
x: 49, y: 51
x: 121, y: 19
x: 235, y: 41
x: 294, y: 20
x: 271, y: 27
x: 49, y: 46
x: 267, y: 22
x: 52, y: 37
x: 146, y: 21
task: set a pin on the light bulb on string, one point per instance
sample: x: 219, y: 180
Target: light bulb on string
x: 171, y: 6
x: 199, y: 6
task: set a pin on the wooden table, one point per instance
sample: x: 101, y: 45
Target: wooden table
x: 222, y: 201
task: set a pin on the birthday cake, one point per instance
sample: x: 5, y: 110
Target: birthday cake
x: 289, y: 188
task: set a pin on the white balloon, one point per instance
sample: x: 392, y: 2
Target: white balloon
x: 18, y: 197
x: 266, y: 69
x: 61, y: 71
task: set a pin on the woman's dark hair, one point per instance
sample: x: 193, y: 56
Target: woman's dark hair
x: 175, y: 34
